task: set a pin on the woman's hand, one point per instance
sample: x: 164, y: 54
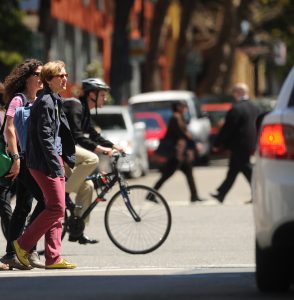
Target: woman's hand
x: 14, y: 170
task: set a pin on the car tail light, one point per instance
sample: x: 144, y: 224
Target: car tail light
x: 277, y: 141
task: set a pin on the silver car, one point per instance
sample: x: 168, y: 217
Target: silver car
x: 273, y: 194
x: 116, y: 125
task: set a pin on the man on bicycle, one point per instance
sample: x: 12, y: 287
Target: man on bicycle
x: 88, y: 144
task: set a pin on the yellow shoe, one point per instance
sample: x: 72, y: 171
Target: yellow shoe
x: 62, y: 264
x: 21, y: 254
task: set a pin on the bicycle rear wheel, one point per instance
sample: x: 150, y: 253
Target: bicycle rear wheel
x: 146, y: 234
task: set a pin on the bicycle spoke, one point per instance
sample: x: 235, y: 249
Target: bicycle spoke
x: 143, y: 236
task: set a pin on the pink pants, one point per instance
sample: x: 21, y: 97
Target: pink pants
x: 49, y: 221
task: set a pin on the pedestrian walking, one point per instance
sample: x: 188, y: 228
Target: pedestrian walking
x: 238, y: 135
x: 23, y: 79
x: 50, y: 144
x: 5, y: 208
x: 179, y: 148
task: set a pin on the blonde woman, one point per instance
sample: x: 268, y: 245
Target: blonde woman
x: 50, y: 144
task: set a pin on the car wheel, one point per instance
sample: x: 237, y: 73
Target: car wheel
x: 273, y: 271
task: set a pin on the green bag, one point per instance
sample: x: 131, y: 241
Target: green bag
x: 5, y: 159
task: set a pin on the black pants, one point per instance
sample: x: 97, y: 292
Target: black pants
x: 239, y: 162
x: 5, y: 207
x: 26, y: 189
x: 169, y: 169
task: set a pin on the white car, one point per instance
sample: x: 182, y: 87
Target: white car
x: 161, y: 102
x: 116, y: 125
x: 273, y: 194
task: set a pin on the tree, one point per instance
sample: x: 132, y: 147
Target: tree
x: 220, y: 57
x: 120, y: 72
x: 274, y: 18
x: 15, y: 37
x: 188, y: 8
x: 46, y: 25
x: 160, y: 10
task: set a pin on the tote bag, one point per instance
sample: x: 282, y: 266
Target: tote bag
x: 5, y: 159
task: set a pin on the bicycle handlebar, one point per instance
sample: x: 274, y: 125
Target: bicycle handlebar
x: 116, y: 155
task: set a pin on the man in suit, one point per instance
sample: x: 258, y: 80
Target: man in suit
x: 239, y: 136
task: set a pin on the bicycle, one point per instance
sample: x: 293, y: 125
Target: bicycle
x: 137, y: 218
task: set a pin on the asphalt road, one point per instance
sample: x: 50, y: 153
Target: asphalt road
x: 209, y: 254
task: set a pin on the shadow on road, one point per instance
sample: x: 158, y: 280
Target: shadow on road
x: 142, y: 287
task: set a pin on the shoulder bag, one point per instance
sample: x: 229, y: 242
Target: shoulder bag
x: 5, y: 159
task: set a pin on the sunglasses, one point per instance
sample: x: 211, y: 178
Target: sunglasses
x: 61, y: 75
x: 36, y: 74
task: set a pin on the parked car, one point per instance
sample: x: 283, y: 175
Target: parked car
x: 161, y: 103
x: 116, y: 125
x: 154, y: 132
x: 273, y: 190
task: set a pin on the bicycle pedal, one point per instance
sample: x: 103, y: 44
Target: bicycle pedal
x: 79, y: 206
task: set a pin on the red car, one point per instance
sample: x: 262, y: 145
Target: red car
x: 216, y: 113
x: 154, y: 132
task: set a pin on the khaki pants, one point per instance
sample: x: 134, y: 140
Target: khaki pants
x: 86, y: 163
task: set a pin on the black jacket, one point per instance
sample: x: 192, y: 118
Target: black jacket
x: 41, y: 154
x: 239, y: 132
x: 80, y: 123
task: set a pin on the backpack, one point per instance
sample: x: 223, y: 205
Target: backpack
x: 21, y: 121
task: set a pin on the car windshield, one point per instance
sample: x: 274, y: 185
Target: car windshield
x: 149, y: 122
x: 164, y: 108
x: 109, y: 121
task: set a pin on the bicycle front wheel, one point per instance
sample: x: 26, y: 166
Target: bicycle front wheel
x: 137, y: 219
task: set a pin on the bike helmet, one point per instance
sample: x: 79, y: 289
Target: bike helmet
x: 93, y: 84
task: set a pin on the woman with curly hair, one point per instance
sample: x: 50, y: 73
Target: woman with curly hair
x: 24, y: 79
x: 5, y: 208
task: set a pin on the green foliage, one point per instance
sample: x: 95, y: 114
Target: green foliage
x: 10, y: 58
x: 15, y: 38
x: 94, y: 69
x: 281, y: 26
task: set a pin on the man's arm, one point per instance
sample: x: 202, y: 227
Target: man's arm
x: 226, y: 133
x: 74, y: 114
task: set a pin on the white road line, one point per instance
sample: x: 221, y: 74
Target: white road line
x: 117, y: 270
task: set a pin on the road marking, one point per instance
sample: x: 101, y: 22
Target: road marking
x: 123, y: 271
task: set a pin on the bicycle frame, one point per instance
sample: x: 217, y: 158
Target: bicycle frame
x: 114, y: 177
x: 138, y: 238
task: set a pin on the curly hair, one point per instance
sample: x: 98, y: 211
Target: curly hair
x: 1, y: 94
x: 16, y: 81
